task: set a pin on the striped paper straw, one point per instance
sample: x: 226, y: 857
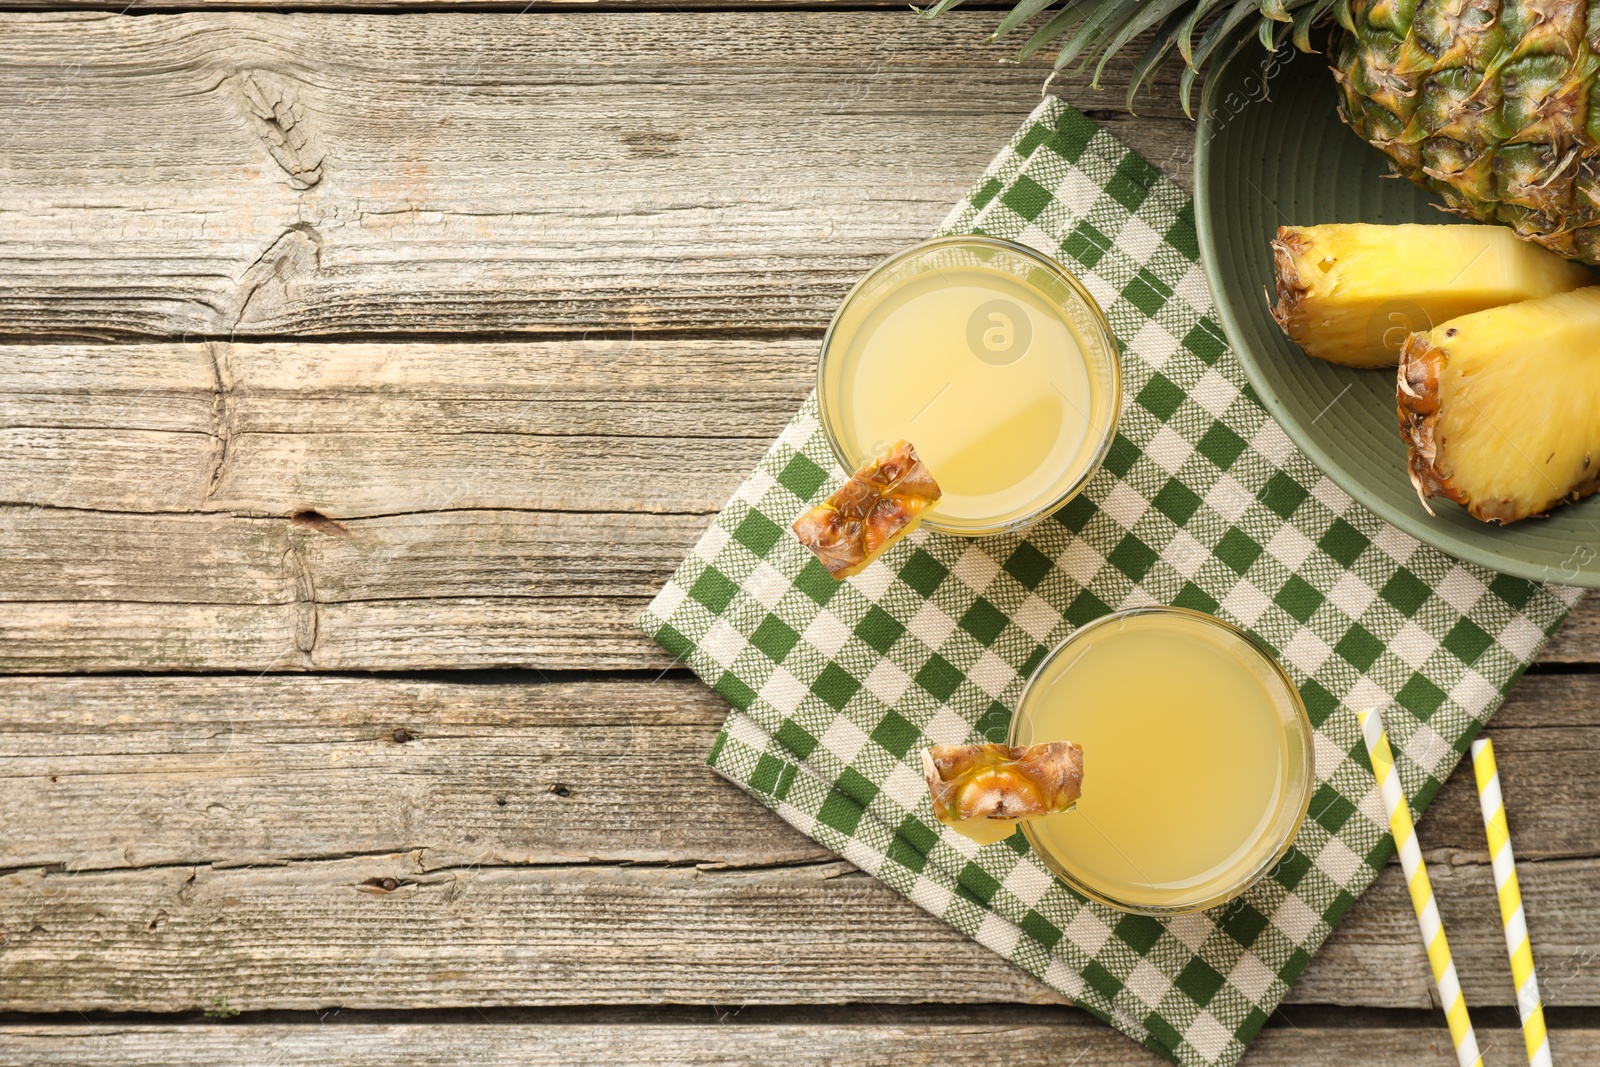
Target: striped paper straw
x: 1416, y: 872
x: 1511, y: 916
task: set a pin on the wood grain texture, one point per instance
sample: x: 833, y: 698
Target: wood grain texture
x: 168, y: 833
x: 517, y: 6
x: 111, y: 772
x: 86, y: 591
x: 387, y: 931
x: 164, y: 504
x: 1047, y: 1042
x: 239, y: 173
x: 98, y: 591
x: 153, y: 492
x: 120, y: 772
x: 361, y: 429
x: 332, y: 932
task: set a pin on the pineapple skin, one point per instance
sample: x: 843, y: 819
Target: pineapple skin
x: 1486, y: 102
x: 1490, y: 103
x: 999, y: 781
x: 878, y: 505
x: 1350, y: 293
x: 1500, y: 410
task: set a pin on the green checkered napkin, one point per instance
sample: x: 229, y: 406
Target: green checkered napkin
x: 1202, y: 502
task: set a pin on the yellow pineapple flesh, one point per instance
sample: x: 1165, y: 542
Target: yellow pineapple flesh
x: 1501, y: 408
x: 1351, y: 294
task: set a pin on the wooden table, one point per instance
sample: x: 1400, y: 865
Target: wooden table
x: 363, y: 374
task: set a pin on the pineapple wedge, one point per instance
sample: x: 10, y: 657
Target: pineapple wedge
x: 1501, y: 409
x: 1351, y: 294
x: 982, y: 790
x: 881, y: 503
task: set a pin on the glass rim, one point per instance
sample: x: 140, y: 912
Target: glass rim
x: 1307, y: 765
x: 1075, y: 285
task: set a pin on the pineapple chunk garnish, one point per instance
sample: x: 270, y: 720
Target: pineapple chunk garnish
x: 982, y: 790
x: 1351, y: 294
x: 881, y: 503
x: 1501, y: 409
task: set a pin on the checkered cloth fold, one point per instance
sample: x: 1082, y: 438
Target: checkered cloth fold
x: 1202, y: 502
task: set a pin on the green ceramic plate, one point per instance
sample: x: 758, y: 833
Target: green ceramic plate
x: 1282, y: 157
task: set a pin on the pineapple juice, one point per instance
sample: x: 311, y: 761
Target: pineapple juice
x: 995, y: 366
x: 1196, y: 759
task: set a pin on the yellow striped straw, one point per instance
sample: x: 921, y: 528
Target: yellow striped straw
x: 1511, y: 916
x: 1416, y: 872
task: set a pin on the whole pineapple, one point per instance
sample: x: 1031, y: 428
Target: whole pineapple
x: 1491, y: 103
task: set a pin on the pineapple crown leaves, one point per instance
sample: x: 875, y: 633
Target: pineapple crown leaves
x: 1200, y: 32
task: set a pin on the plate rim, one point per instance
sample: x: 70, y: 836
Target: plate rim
x: 1413, y: 524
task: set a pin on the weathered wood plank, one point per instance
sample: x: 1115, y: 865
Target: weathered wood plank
x: 890, y: 1042
x: 241, y: 173
x: 461, y: 589
x: 96, y: 591
x: 175, y: 937
x: 106, y: 772
x: 1375, y: 957
x: 1578, y: 640
x: 201, y: 775
x: 520, y: 7
x: 1547, y: 741
x: 153, y: 489
x: 264, y: 430
x: 333, y: 932
x: 356, y: 430
x: 119, y: 772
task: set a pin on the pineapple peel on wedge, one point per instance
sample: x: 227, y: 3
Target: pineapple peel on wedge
x: 1501, y: 409
x: 996, y: 781
x: 880, y: 503
x: 982, y: 790
x: 1351, y: 293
